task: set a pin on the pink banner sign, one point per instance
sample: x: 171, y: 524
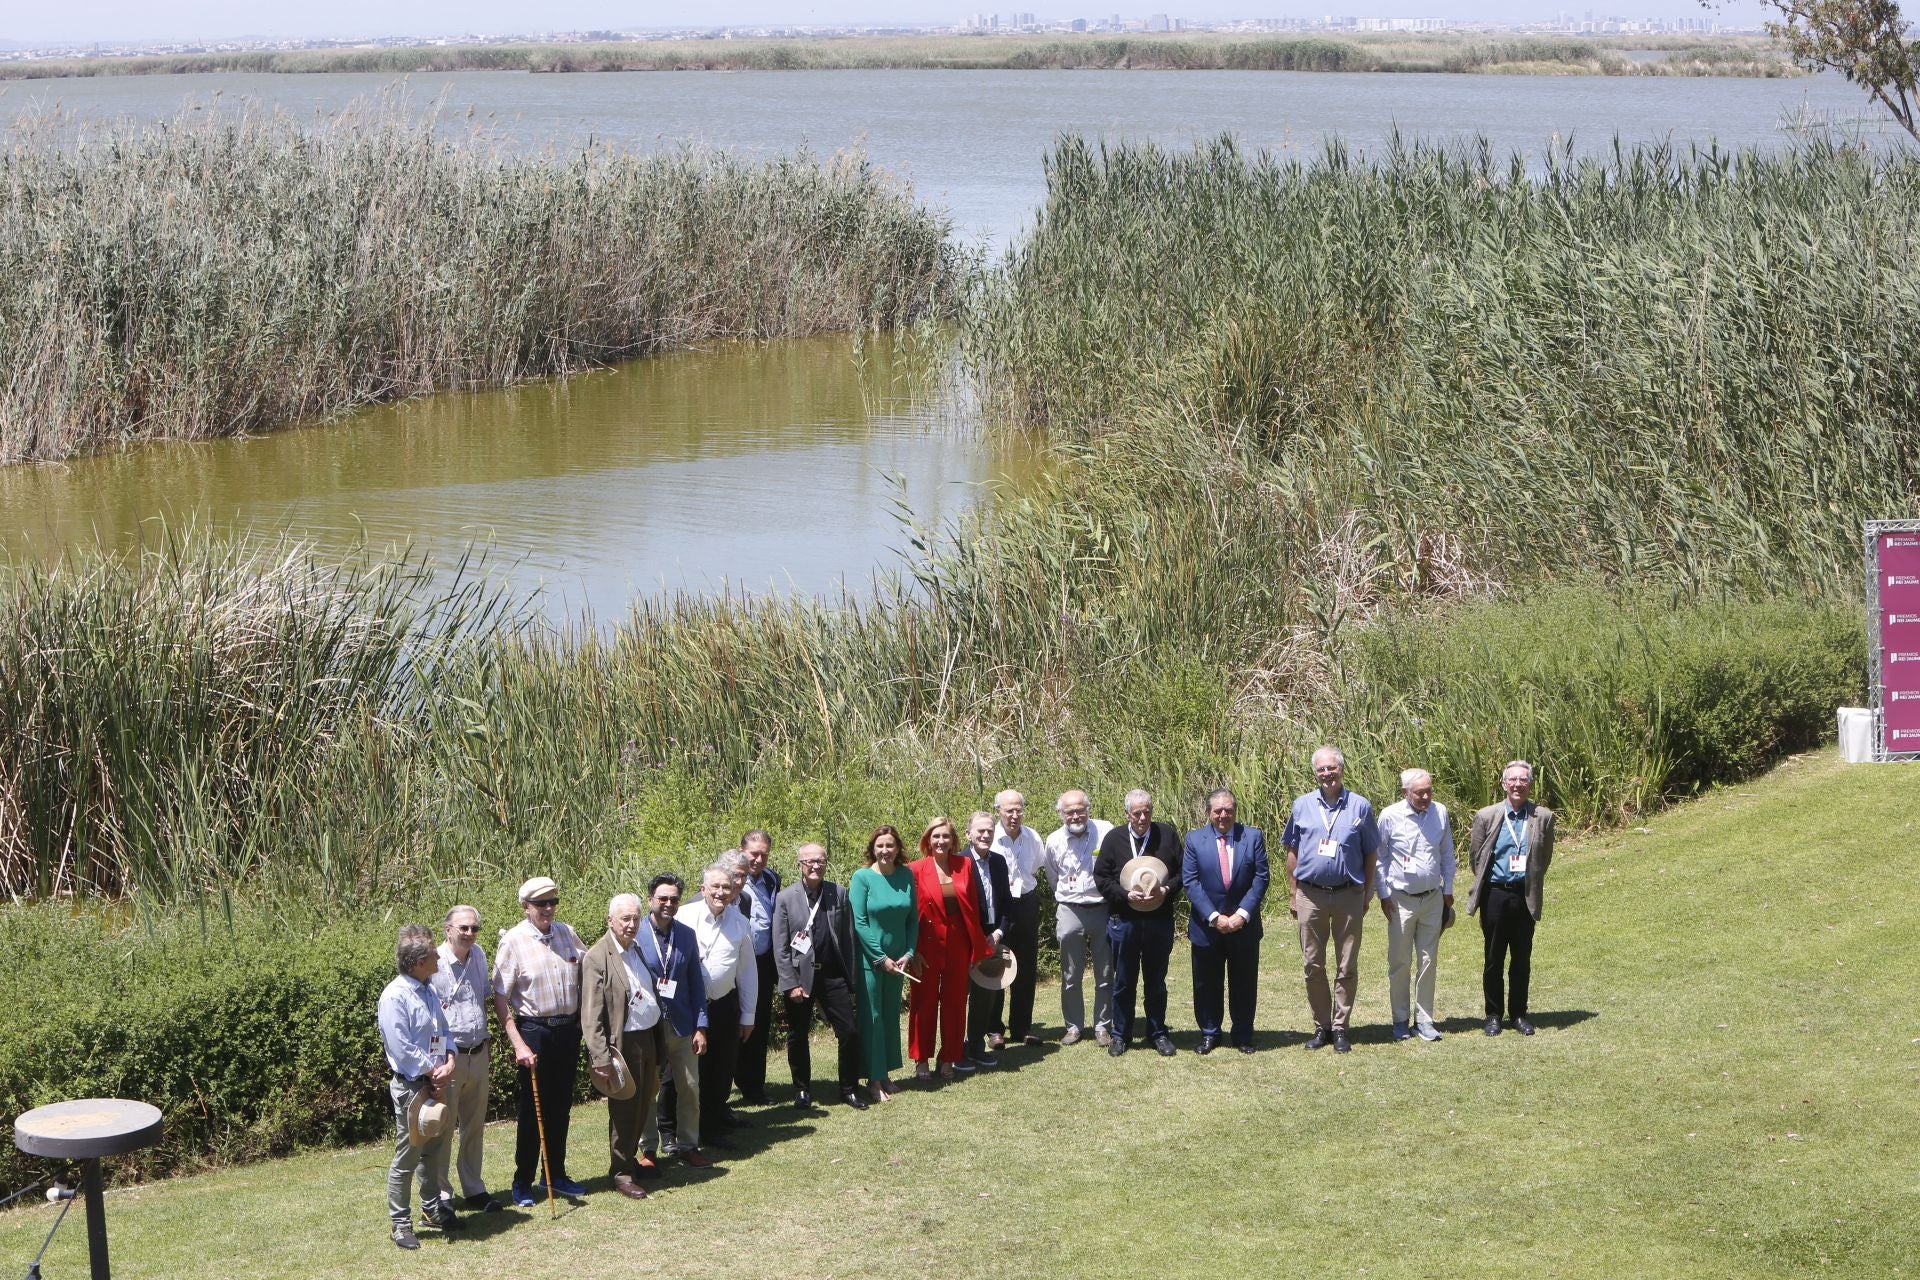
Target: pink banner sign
x: 1897, y: 570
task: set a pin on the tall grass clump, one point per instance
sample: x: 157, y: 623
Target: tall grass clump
x: 219, y: 275
x: 1686, y: 365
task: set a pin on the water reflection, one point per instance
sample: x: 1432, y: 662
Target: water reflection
x: 748, y: 465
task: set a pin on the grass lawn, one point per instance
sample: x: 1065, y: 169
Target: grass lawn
x: 1720, y: 1087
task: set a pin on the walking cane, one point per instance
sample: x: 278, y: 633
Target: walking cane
x: 540, y: 1122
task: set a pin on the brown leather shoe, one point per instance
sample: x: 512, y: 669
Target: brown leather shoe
x: 692, y: 1157
x: 627, y: 1187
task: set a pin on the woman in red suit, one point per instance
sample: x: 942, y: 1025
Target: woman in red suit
x: 950, y: 943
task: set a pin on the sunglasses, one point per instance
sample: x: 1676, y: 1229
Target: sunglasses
x: 544, y: 902
x: 466, y: 928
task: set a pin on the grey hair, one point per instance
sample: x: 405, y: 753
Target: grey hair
x: 979, y: 814
x: 1518, y: 764
x: 1339, y: 757
x: 1217, y: 792
x: 454, y: 911
x: 1410, y: 776
x: 1000, y: 797
x: 1137, y: 796
x: 1059, y: 806
x: 723, y: 868
x: 619, y: 900
x: 735, y: 861
x: 414, y: 945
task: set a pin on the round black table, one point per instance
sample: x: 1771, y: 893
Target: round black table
x: 87, y: 1130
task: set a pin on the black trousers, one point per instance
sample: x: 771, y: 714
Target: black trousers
x: 832, y: 998
x: 717, y: 1063
x: 556, y: 1047
x: 1227, y: 973
x: 1141, y: 945
x: 1023, y: 939
x: 751, y: 1070
x: 1506, y: 926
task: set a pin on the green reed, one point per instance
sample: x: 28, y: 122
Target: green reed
x: 221, y: 274
x: 1681, y: 364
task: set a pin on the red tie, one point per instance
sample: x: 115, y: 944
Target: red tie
x: 1226, y: 863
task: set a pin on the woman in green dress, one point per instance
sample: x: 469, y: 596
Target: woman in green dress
x: 886, y: 921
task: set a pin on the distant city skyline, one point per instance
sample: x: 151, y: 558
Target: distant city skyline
x: 122, y: 21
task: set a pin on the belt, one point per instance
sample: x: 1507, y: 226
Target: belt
x: 1409, y: 893
x: 1330, y: 888
x: 473, y: 1048
x: 562, y: 1020
x: 1517, y: 886
x: 412, y: 1082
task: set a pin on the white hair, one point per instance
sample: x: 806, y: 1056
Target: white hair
x: 1002, y: 798
x: 1136, y: 797
x: 620, y: 900
x: 454, y: 911
x: 1060, y: 805
x: 1410, y: 776
x: 1518, y: 764
x: 1338, y: 758
x: 722, y: 868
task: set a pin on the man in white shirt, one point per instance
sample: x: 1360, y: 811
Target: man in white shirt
x: 1080, y: 917
x: 465, y: 990
x: 732, y: 978
x: 1020, y: 845
x: 1416, y: 891
x: 620, y: 1017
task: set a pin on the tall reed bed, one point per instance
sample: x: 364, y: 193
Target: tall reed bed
x: 219, y: 275
x: 1688, y: 365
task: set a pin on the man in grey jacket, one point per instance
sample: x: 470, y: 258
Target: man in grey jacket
x: 813, y: 958
x: 1511, y: 843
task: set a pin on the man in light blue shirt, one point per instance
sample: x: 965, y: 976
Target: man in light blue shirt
x: 1416, y: 891
x: 756, y: 901
x: 419, y: 1047
x: 1331, y: 842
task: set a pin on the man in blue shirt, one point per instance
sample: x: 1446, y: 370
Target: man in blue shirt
x: 419, y: 1047
x: 1331, y: 844
x: 756, y: 902
x: 1511, y: 844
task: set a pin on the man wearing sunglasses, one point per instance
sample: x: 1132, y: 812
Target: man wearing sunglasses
x: 536, y: 991
x: 465, y: 990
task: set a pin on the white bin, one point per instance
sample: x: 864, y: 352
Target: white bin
x: 1856, y: 735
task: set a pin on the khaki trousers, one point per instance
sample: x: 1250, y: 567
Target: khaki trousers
x: 1413, y: 944
x: 627, y: 1119
x: 1331, y: 915
x: 467, y: 1095
x: 680, y: 1064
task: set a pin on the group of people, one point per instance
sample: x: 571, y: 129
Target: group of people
x: 672, y: 1002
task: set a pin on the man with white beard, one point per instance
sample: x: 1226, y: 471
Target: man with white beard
x: 1080, y: 917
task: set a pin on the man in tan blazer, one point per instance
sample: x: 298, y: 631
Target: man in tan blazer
x: 620, y: 1018
x: 1511, y: 845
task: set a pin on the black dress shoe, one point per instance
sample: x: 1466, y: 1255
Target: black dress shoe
x: 1244, y: 1048
x: 1207, y: 1043
x: 1322, y: 1037
x: 1493, y: 1026
x: 1116, y: 1047
x: 1340, y: 1042
x: 1163, y: 1045
x: 445, y: 1219
x: 484, y: 1203
x: 735, y: 1120
x: 755, y: 1100
x: 1524, y: 1027
x: 802, y: 1098
x: 853, y: 1099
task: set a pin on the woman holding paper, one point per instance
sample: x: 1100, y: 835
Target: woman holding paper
x: 886, y: 926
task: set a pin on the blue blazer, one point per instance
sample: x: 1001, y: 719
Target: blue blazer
x: 687, y: 1011
x: 1200, y: 876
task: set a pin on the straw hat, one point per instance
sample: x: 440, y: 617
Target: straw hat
x: 622, y: 1087
x: 1144, y: 874
x: 426, y: 1117
x: 996, y: 972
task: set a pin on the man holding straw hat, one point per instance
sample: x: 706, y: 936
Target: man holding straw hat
x: 1138, y: 873
x: 536, y: 991
x: 621, y: 1021
x: 419, y: 1048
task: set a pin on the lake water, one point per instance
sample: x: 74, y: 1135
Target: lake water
x: 765, y: 466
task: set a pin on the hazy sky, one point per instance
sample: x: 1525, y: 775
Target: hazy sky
x: 42, y: 21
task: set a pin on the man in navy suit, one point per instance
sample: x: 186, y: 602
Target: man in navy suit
x: 671, y: 955
x: 1223, y: 868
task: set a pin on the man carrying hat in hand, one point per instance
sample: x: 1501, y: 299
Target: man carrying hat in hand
x: 1138, y: 873
x: 536, y: 991
x: 620, y: 1018
x: 419, y: 1047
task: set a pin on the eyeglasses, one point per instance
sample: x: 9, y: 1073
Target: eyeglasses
x: 820, y: 863
x: 545, y: 902
x: 466, y: 928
